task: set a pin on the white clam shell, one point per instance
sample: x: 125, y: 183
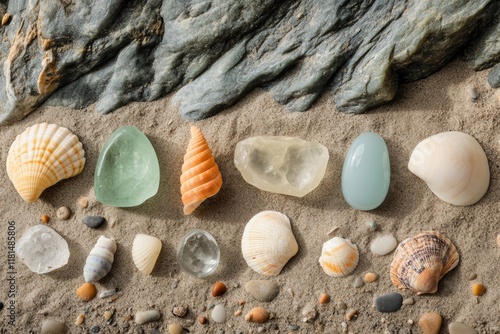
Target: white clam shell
x: 268, y: 242
x: 145, y: 252
x: 339, y: 257
x: 453, y: 165
x: 100, y: 259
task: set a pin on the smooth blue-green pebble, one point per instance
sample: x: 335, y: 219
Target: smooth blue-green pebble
x: 366, y: 172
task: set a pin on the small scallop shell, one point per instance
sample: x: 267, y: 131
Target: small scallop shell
x: 145, y: 251
x: 453, y: 165
x: 200, y: 177
x: 339, y: 257
x: 100, y: 259
x: 421, y: 261
x: 41, y: 156
x: 268, y: 242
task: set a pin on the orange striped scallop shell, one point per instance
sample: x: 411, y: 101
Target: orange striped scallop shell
x: 339, y: 257
x: 200, y: 177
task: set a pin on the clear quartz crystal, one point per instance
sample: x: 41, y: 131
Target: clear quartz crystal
x: 42, y: 249
x: 198, y: 253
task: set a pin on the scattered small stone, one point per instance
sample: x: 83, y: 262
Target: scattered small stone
x: 262, y: 290
x: 219, y: 314
x: 498, y: 240
x: 174, y: 328
x: 218, y: 289
x: 290, y: 291
x: 95, y: 329
x: 107, y: 315
x: 459, y: 328
x: 383, y: 245
x: 1, y: 306
x: 86, y: 292
x: 309, y: 313
x: 358, y: 282
x: 472, y: 276
x: 343, y: 324
x: 341, y: 305
x: 389, y: 303
x: 261, y: 330
x: 370, y: 277
x: 108, y: 293
x: 430, y: 323
x: 63, y: 213
x: 94, y: 221
x: 293, y: 327
x: 238, y: 312
x: 6, y: 19
x: 410, y: 322
x: 128, y: 317
x: 202, y: 320
x: 472, y: 93
x: 478, y: 289
x: 179, y: 311
x: 324, y: 298
x: 257, y: 314
x: 372, y: 225
x: 83, y: 202
x: 79, y: 320
x: 409, y: 301
x: 144, y: 317
x: 241, y: 302
x: 335, y: 228
x: 352, y: 313
x: 175, y: 283
x: 45, y: 219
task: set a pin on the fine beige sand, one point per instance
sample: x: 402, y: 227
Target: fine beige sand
x: 436, y: 104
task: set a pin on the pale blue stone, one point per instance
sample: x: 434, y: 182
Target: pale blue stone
x: 366, y: 173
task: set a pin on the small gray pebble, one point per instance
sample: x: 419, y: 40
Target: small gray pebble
x: 293, y: 327
x: 389, y: 303
x: 472, y: 276
x: 63, y: 213
x: 472, y: 93
x: 372, y: 225
x: 94, y: 221
x: 179, y: 311
x: 95, y: 329
x: 358, y: 282
x: 409, y: 301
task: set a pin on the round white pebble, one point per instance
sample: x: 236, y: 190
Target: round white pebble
x: 219, y: 314
x: 383, y: 245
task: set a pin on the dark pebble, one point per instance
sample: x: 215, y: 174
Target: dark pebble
x: 1, y: 306
x: 95, y: 329
x: 94, y: 221
x: 389, y: 303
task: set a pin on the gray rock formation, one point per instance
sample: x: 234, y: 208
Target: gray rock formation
x: 77, y: 52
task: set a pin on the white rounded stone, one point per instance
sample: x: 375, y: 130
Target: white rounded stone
x: 383, y: 245
x: 219, y: 314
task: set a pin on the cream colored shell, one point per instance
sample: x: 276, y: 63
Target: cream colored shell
x: 145, y: 252
x: 421, y: 261
x: 100, y: 259
x: 339, y: 257
x: 41, y: 156
x: 453, y: 165
x: 268, y: 242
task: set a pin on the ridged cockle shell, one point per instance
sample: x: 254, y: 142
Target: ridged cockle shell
x: 145, y: 252
x: 41, y: 156
x: 421, y: 261
x: 339, y: 257
x: 268, y: 242
x: 453, y: 165
x: 200, y: 177
x: 100, y: 259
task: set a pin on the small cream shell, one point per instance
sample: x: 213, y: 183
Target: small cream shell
x: 339, y: 257
x: 453, y: 165
x: 145, y: 252
x: 268, y: 242
x: 100, y: 259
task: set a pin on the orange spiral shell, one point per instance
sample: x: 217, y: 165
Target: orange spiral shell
x: 200, y: 177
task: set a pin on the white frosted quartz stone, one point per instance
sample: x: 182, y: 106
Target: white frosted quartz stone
x: 383, y: 245
x: 219, y: 314
x: 42, y: 249
x: 283, y: 165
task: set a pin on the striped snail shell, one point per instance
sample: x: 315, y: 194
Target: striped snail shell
x: 100, y: 259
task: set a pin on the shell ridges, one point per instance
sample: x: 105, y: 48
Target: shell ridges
x: 339, y: 257
x: 100, y: 259
x: 145, y: 252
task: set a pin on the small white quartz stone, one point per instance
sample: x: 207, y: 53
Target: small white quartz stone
x: 219, y: 314
x: 42, y: 249
x: 283, y: 165
x: 383, y: 245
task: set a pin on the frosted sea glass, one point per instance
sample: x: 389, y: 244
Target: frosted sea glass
x: 127, y: 171
x: 366, y: 172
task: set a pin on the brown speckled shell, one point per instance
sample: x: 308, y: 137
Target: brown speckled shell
x: 421, y: 261
x: 200, y: 177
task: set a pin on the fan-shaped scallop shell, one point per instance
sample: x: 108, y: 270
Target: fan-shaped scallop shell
x: 100, y: 259
x: 41, y: 156
x: 421, y: 261
x: 339, y: 257
x: 268, y: 242
x: 453, y: 165
x: 200, y: 177
x: 145, y: 251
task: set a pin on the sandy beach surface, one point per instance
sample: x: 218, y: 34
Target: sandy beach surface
x: 439, y: 103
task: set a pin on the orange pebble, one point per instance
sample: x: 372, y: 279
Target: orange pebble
x: 324, y: 298
x: 202, y: 320
x: 86, y: 292
x: 45, y: 219
x: 257, y: 314
x: 370, y: 277
x: 218, y: 289
x: 478, y: 289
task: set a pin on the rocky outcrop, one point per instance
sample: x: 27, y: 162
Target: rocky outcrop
x: 77, y: 52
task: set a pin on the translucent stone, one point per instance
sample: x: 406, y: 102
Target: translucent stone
x: 127, y: 171
x: 366, y: 172
x: 283, y: 165
x: 42, y: 249
x: 198, y: 253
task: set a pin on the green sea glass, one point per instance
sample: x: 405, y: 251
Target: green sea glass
x: 127, y: 171
x: 366, y: 173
